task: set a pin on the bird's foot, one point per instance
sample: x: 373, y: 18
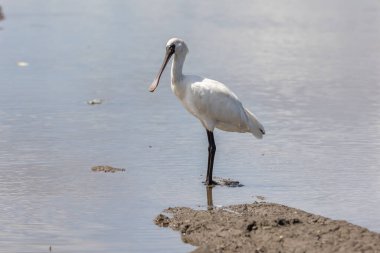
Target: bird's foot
x: 222, y: 182
x: 210, y: 184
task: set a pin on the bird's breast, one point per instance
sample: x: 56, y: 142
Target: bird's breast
x: 178, y: 90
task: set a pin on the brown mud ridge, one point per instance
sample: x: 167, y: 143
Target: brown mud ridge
x: 265, y: 227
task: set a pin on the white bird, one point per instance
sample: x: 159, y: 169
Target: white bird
x: 210, y: 101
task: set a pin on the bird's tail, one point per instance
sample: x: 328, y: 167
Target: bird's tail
x: 255, y: 127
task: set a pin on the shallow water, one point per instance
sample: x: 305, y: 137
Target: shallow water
x: 310, y: 71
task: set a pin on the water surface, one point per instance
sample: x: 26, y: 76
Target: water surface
x: 310, y: 71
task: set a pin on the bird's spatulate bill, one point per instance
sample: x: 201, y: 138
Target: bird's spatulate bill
x: 154, y: 85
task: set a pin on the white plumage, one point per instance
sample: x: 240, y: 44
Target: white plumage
x: 216, y: 106
x: 210, y: 101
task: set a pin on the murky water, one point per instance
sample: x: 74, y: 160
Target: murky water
x: 310, y: 71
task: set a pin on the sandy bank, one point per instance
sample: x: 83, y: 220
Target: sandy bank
x: 265, y: 227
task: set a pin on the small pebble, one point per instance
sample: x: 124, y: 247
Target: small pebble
x: 96, y: 101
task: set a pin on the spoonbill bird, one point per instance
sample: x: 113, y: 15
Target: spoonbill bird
x: 210, y: 101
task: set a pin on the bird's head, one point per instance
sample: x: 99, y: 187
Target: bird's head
x: 179, y: 46
x: 174, y: 46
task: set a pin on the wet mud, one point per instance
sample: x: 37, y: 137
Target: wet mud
x: 106, y: 169
x: 227, y: 182
x: 265, y: 227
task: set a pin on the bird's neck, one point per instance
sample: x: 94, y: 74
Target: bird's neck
x: 177, y: 65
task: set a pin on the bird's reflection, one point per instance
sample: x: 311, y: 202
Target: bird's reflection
x: 2, y: 16
x: 210, y: 204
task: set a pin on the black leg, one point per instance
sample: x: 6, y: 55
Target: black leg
x: 211, y: 155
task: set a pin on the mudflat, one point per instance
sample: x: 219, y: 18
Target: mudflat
x: 266, y: 227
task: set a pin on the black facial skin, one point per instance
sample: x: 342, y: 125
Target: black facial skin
x: 171, y: 48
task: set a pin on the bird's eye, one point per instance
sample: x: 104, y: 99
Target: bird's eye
x: 171, y: 47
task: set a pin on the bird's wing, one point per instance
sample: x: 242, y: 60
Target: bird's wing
x: 214, y: 101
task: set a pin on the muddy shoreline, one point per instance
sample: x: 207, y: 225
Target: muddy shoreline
x: 266, y: 227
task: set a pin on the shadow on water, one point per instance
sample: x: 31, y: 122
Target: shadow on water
x: 2, y: 16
